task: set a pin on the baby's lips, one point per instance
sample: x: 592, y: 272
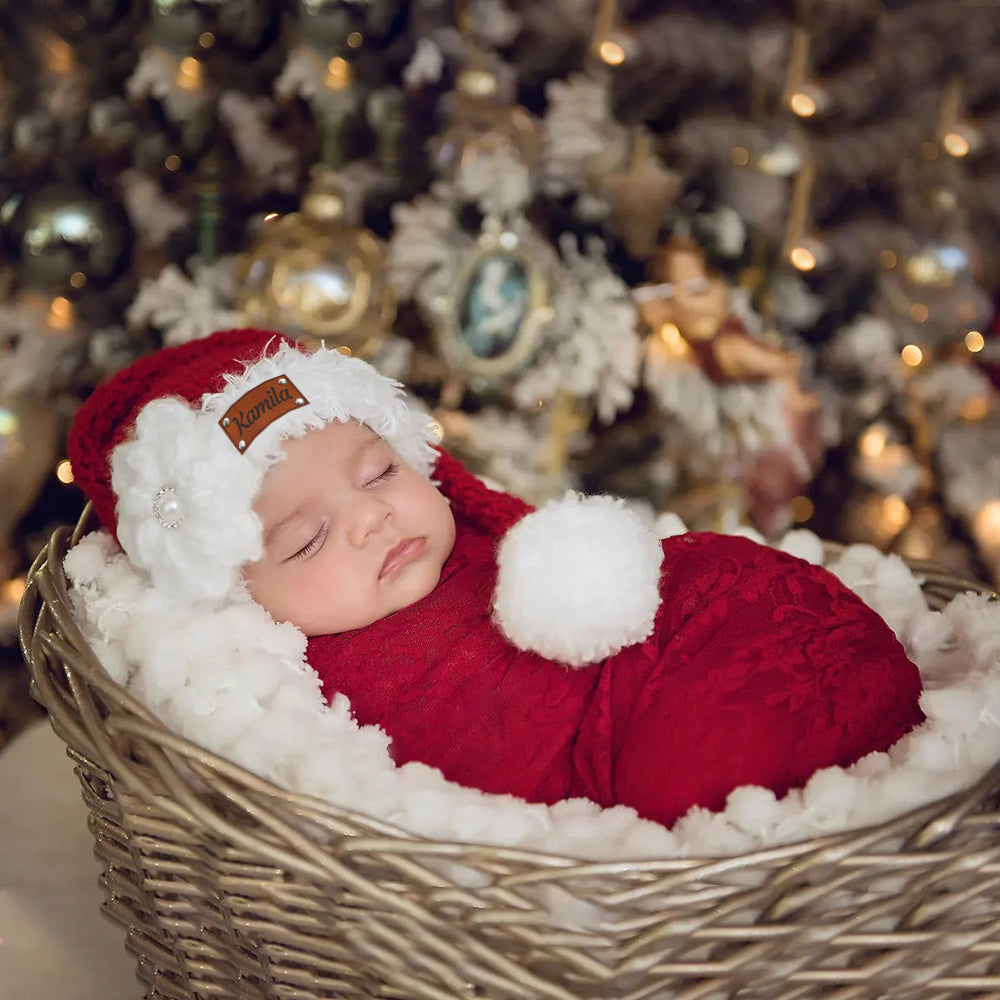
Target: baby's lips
x: 402, y: 554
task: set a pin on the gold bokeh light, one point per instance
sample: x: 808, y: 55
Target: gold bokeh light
x: 975, y: 341
x: 611, y: 52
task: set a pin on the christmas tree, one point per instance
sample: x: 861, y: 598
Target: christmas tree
x: 734, y: 261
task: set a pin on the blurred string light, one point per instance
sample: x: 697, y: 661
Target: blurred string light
x: 612, y: 52
x: 884, y: 517
x: 802, y: 104
x: 872, y: 442
x: 958, y: 135
x: 808, y: 253
x: 809, y: 100
x: 802, y: 509
x: 338, y: 74
x: 741, y: 156
x: 974, y: 341
x: 607, y: 40
x: 802, y: 258
x: 673, y: 341
x: 895, y: 513
x: 190, y: 75
x: 59, y: 55
x: 956, y: 144
x: 987, y: 524
x: 60, y: 316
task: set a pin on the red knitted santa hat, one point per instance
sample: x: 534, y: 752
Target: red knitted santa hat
x: 172, y: 450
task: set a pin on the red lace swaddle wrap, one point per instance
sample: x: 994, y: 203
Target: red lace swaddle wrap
x: 761, y: 669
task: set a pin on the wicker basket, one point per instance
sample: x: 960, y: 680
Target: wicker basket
x: 228, y: 886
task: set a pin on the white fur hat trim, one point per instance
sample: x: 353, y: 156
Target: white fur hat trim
x: 578, y: 579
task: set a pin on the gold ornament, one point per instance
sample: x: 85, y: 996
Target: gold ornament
x: 480, y: 122
x: 314, y: 277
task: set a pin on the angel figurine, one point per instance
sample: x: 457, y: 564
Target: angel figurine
x: 753, y: 387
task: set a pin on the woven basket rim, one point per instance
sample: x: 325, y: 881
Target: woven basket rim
x: 47, y: 576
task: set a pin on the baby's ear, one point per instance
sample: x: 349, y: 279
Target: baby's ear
x: 578, y: 579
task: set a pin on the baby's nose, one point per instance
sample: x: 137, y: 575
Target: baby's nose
x: 371, y: 515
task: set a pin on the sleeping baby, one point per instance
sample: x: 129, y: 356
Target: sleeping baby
x: 556, y: 653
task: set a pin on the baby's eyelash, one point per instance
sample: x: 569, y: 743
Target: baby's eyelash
x: 312, y: 545
x: 389, y: 472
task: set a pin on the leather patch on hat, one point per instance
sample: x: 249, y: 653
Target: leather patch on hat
x: 259, y: 408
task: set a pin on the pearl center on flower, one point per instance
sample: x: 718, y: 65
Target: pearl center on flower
x: 167, y: 507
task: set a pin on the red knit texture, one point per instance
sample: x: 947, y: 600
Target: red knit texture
x: 473, y: 502
x: 187, y: 371
x: 761, y: 670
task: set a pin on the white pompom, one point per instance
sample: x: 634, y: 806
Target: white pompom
x: 578, y: 579
x: 669, y: 524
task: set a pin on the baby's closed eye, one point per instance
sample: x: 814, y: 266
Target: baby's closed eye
x: 314, y: 543
x: 387, y: 473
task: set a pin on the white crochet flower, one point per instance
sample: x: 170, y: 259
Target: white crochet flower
x: 184, y: 502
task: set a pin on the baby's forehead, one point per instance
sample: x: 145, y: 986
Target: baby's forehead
x: 334, y: 431
x: 341, y: 443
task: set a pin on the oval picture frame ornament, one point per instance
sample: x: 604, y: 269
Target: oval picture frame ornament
x: 491, y: 326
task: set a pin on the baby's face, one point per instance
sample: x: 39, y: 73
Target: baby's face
x: 351, y: 533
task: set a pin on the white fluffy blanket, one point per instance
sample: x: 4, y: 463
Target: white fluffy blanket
x: 239, y: 686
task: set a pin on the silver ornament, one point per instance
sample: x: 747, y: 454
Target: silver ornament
x: 62, y: 230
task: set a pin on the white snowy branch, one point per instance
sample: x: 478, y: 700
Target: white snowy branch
x: 268, y: 158
x: 497, y: 180
x: 423, y: 250
x: 153, y: 215
x: 155, y: 74
x: 183, y: 308
x: 578, y: 128
x: 596, y: 351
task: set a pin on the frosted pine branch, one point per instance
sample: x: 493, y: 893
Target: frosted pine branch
x: 153, y: 215
x: 182, y: 308
x: 422, y: 250
x: 269, y: 159
x: 595, y: 349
